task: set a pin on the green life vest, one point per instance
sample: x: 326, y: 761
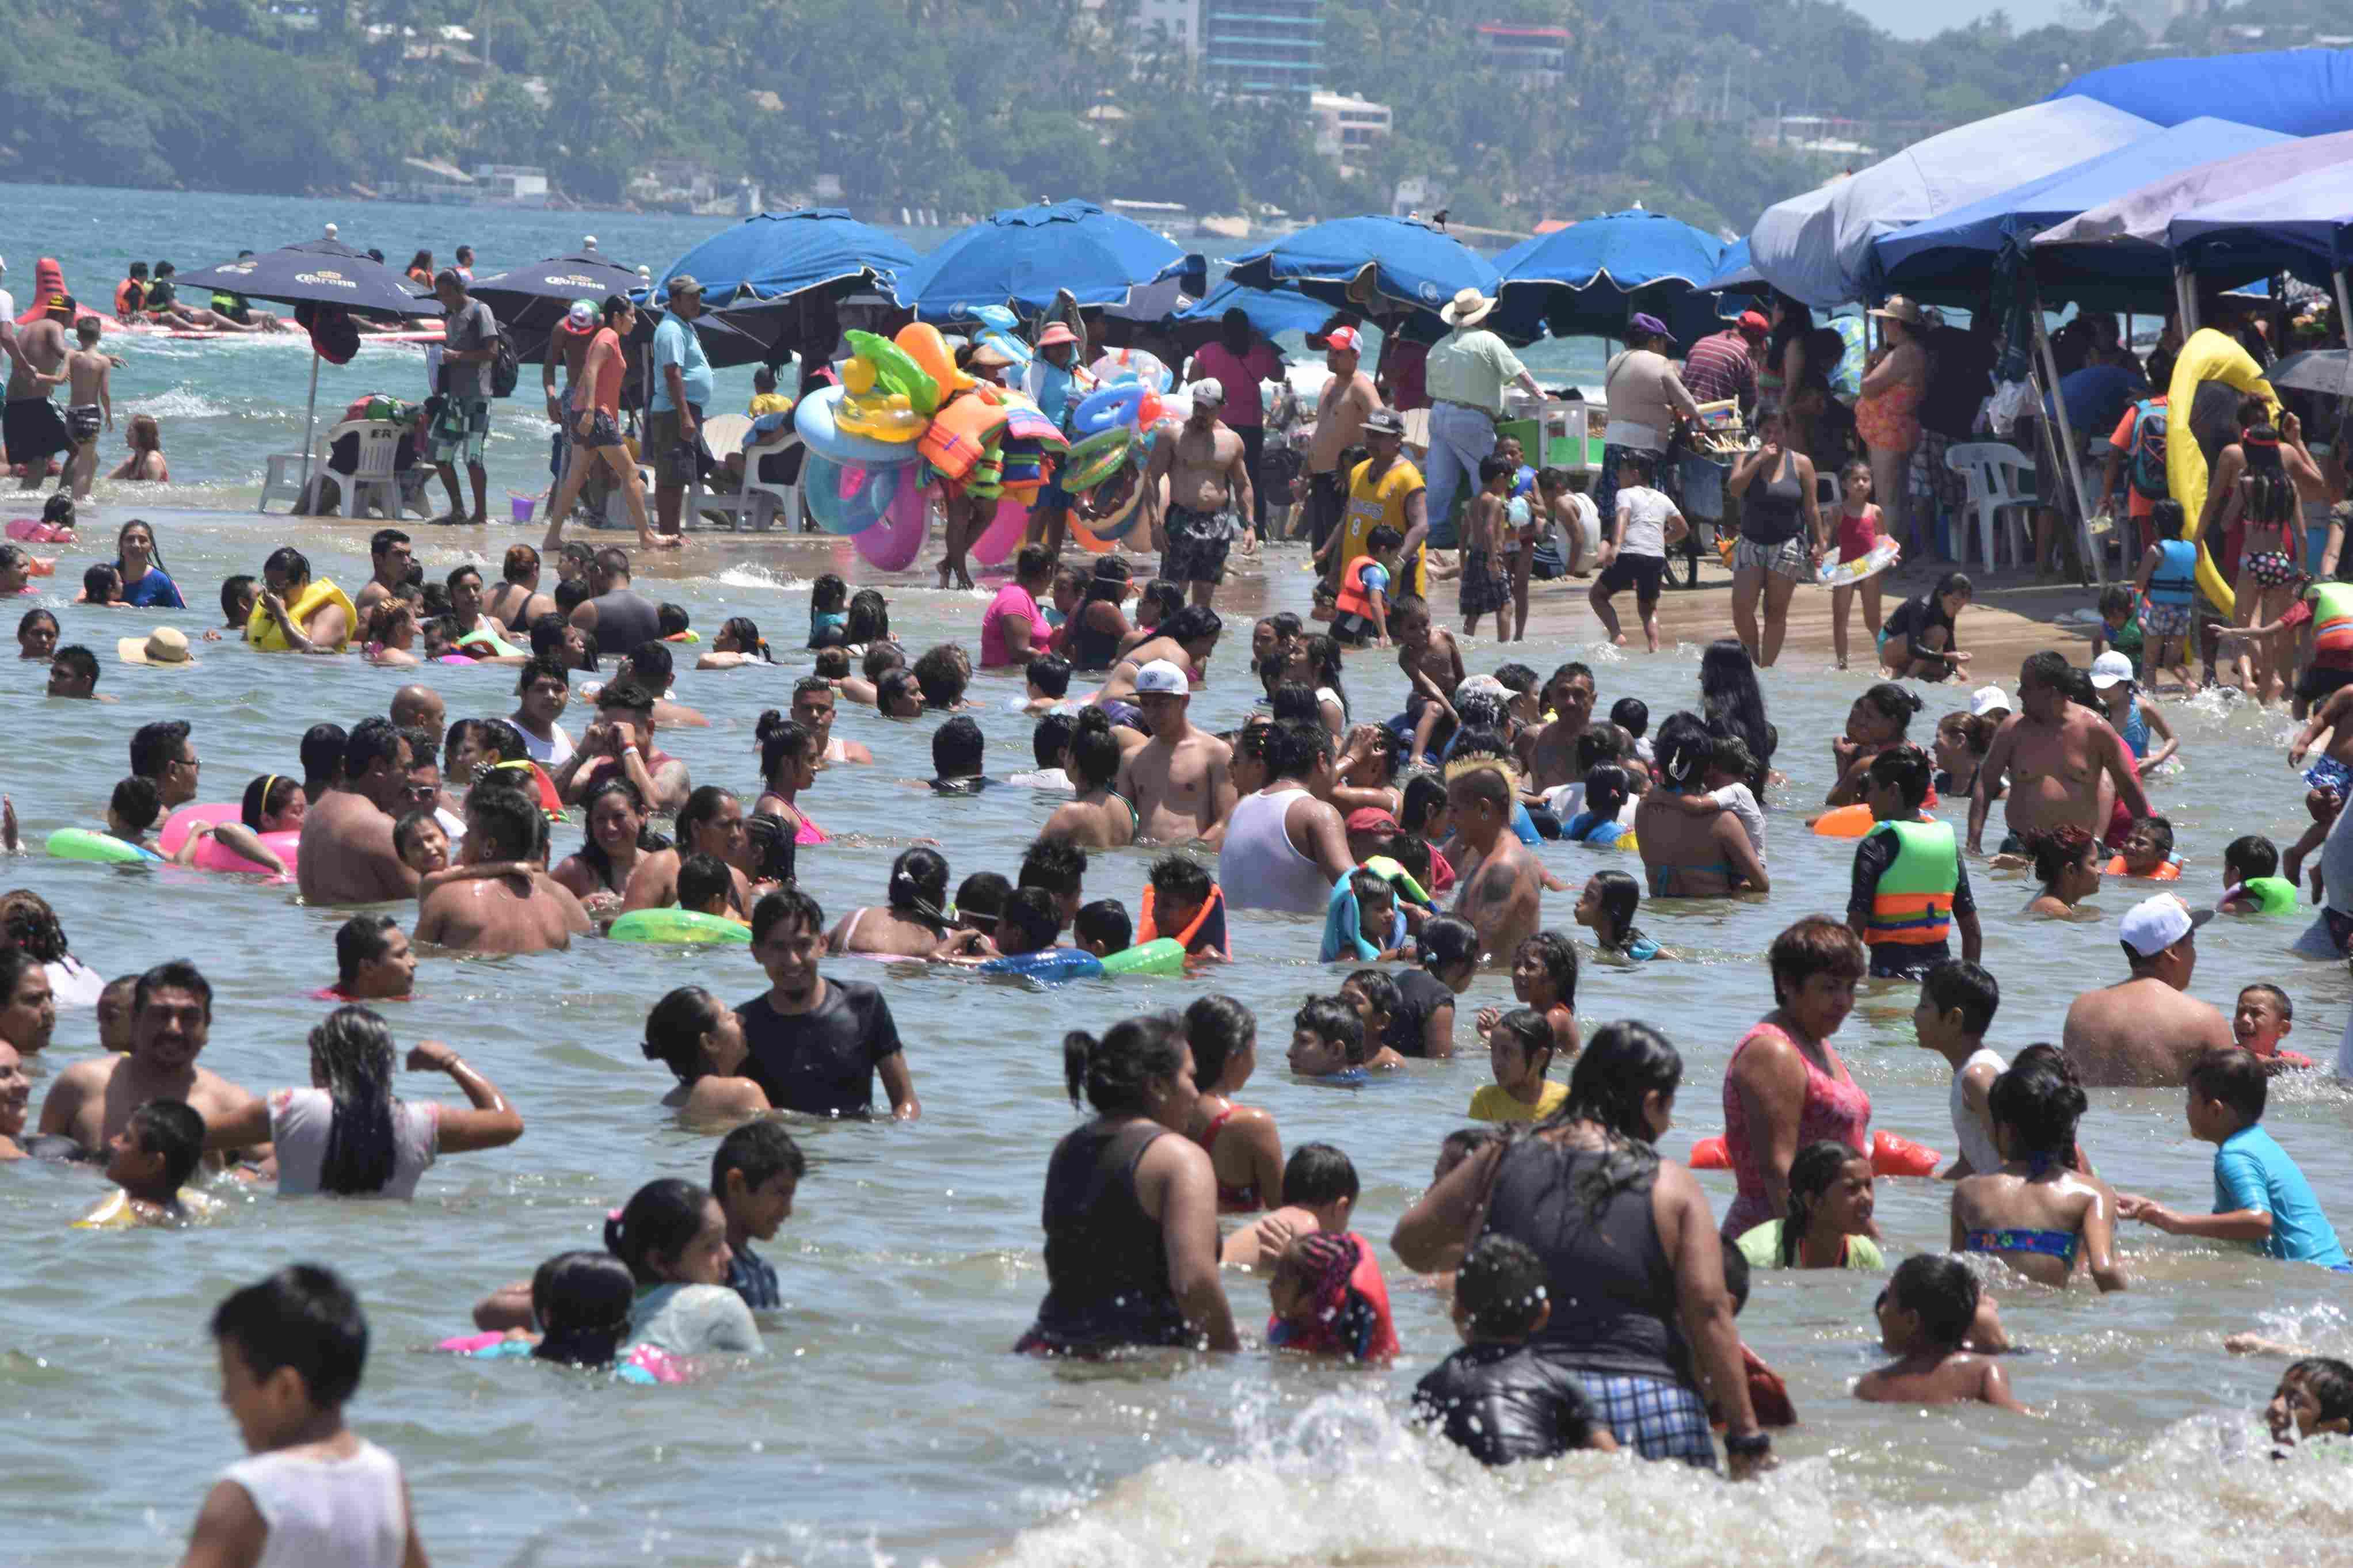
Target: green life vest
x: 1913, y: 905
x: 2272, y: 895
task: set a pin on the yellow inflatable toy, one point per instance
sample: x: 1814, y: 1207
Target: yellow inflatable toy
x: 2208, y: 355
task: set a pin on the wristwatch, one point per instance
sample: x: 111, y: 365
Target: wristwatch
x: 1754, y: 1445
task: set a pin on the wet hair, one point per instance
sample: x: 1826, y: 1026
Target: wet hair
x: 2041, y: 1106
x: 1194, y: 622
x: 539, y: 670
x: 1501, y: 1287
x: 880, y: 658
x: 2046, y: 669
x: 370, y: 739
x: 1050, y: 673
x: 1528, y: 1027
x: 918, y: 887
x: 1622, y: 1066
x: 505, y: 821
x: 137, y: 802
x: 1735, y: 1274
x: 569, y: 595
x: 896, y: 684
x: 1631, y: 714
x: 1816, y: 944
x: 1620, y: 896
x: 79, y: 661
x: 1316, y: 1174
x: 1907, y: 770
x: 651, y: 667
x: 1447, y: 940
x: 940, y: 671
x: 361, y: 941
x: 2279, y: 998
x: 1731, y: 698
x: 660, y: 1220
x: 595, y: 853
x: 1114, y: 1073
x: 173, y: 975
x: 1293, y: 702
x: 1032, y: 564
x: 1606, y: 789
x: 833, y: 665
x: 1685, y: 751
x: 781, y: 739
x: 2329, y: 1381
x: 1425, y: 797
x: 289, y: 562
x: 1811, y: 1171
x: 1109, y: 582
x: 762, y: 1151
x: 1600, y: 744
x: 869, y: 617
x: 1094, y: 754
x: 2270, y: 496
x: 1164, y: 598
x: 744, y: 632
x: 983, y: 894
x: 1054, y: 864
x: 2252, y: 856
x: 1032, y: 915
x: 32, y: 618
x: 1180, y: 876
x: 101, y: 585
x: 2232, y: 1076
x: 958, y: 748
x: 1334, y: 1022
x: 671, y: 620
x: 1557, y: 954
x: 2161, y: 833
x: 675, y: 1027
x: 1371, y: 886
x: 786, y: 904
x: 1293, y: 747
x: 156, y: 746
x: 171, y: 1128
x: 828, y: 594
x: 353, y: 1051
x: 2056, y: 849
x: 233, y: 591
x: 701, y: 879
x: 582, y: 1302
x: 1941, y: 1292
x: 550, y: 633
x: 1464, y: 1142
x: 28, y: 925
x: 1894, y: 703
x: 1958, y: 983
x: 303, y: 1317
x: 1104, y: 922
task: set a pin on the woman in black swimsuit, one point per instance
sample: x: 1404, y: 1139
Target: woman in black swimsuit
x: 1100, y: 626
x: 597, y: 873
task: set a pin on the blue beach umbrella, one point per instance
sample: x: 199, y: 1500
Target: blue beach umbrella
x: 1271, y: 311
x: 1025, y: 258
x: 1586, y: 280
x: 754, y: 274
x: 1376, y: 265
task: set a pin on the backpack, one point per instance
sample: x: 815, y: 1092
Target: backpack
x: 506, y: 368
x: 2146, y: 471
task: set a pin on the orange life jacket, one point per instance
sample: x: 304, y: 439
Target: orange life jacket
x: 1353, y: 599
x: 2169, y: 872
x: 1207, y: 933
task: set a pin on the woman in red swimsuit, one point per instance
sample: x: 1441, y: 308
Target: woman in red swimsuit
x: 1244, y: 1149
x: 1785, y: 1087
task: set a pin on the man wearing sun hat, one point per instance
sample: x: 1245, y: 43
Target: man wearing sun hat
x: 2146, y: 1029
x: 1466, y: 376
x: 1340, y: 411
x: 165, y: 647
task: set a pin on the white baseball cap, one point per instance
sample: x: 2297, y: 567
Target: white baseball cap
x: 1162, y: 678
x: 2154, y: 924
x: 2109, y: 669
x: 1209, y: 389
x: 1987, y: 700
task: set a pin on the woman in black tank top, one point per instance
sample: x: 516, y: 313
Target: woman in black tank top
x: 1628, y: 1243
x: 1098, y: 625
x: 1130, y: 1214
x: 1780, y: 536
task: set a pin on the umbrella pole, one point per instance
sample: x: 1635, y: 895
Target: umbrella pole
x: 2067, y: 448
x: 310, y: 422
x: 2185, y: 299
x: 2344, y: 313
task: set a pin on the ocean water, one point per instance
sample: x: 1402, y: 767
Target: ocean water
x: 888, y: 1424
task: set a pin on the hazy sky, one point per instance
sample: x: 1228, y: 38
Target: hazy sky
x: 1911, y: 19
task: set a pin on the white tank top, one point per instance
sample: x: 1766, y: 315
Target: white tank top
x: 1970, y: 1130
x: 1259, y: 867
x: 348, y: 1512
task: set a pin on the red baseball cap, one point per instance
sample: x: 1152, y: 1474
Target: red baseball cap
x: 1753, y: 321
x: 1371, y: 819
x: 1347, y: 340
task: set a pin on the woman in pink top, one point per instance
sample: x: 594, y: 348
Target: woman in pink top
x: 1013, y: 628
x: 1237, y: 361
x: 1786, y: 1087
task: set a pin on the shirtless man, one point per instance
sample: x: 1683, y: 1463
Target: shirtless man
x: 527, y: 911
x: 813, y: 705
x: 389, y: 559
x: 515, y: 598
x: 1286, y: 844
x: 1185, y: 639
x: 1182, y: 781
x: 30, y: 429
x: 421, y: 707
x: 1501, y: 890
x: 90, y: 405
x: 347, y: 856
x: 2055, y: 754
x: 2146, y: 1030
x: 1340, y: 411
x: 622, y: 741
x: 171, y: 1016
x: 1209, y: 493
x: 1550, y: 756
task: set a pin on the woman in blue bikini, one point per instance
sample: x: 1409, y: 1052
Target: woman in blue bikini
x: 2038, y: 1213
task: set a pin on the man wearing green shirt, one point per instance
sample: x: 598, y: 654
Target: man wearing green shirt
x: 1466, y: 376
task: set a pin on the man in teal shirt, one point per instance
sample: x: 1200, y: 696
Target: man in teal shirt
x: 681, y: 390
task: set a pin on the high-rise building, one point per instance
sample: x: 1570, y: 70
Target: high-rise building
x: 1263, y: 47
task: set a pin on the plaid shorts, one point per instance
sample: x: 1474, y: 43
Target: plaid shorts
x: 460, y: 428
x: 1790, y: 558
x: 1932, y: 476
x: 1658, y: 1419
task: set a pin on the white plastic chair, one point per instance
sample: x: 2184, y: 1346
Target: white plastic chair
x: 379, y: 453
x: 771, y: 500
x: 1993, y: 470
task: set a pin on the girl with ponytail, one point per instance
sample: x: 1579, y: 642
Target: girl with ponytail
x: 915, y: 917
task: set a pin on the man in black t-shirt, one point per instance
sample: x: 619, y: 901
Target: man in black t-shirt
x: 817, y: 1045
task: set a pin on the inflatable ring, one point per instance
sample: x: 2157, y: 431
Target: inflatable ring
x: 1870, y: 563
x: 880, y: 416
x: 1844, y: 822
x: 1134, y: 365
x: 1125, y: 511
x: 212, y: 855
x: 922, y: 343
x: 2208, y: 355
x: 815, y: 422
x: 1162, y: 955
x: 850, y: 497
x: 1892, y: 1155
x: 1006, y: 527
x: 1053, y: 966
x: 1107, y: 406
x: 895, y: 371
x: 892, y: 544
x: 104, y: 848
x: 1710, y: 1155
x: 1088, y: 540
x: 671, y: 924
x: 1096, y: 458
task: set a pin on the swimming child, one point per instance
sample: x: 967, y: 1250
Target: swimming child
x: 1607, y: 788
x: 1910, y: 888
x: 239, y: 595
x: 102, y: 585
x: 2251, y: 884
x: 1326, y: 1297
x: 1957, y: 1002
x: 2068, y: 862
x: 1328, y: 1040
x: 827, y: 595
x: 2133, y: 717
x: 1182, y: 900
x: 291, y: 1351
x: 1829, y: 1222
x: 2315, y: 1398
x: 2034, y: 1212
x: 1047, y: 683
x: 1544, y: 977
x: 706, y: 885
x: 1857, y: 536
x: 1878, y: 720
x: 132, y: 810
x: 980, y: 900
x: 1102, y: 928
x: 1519, y: 1053
x: 1495, y: 1397
x: 1319, y: 1192
x: 1607, y: 907
x: 2271, y: 1205
x: 754, y: 1173
x: 2262, y: 1019
x: 73, y: 673
x: 421, y: 843
x: 582, y: 1299
x: 2148, y: 852
x: 1924, y: 1316
x: 673, y: 1237
x: 1374, y: 998
x: 737, y: 642
x: 149, y: 1162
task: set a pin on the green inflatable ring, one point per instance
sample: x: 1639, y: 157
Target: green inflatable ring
x: 1096, y: 458
x: 1163, y: 955
x: 671, y: 924
x: 103, y: 849
x: 896, y: 371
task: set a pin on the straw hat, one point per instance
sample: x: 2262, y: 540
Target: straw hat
x: 1468, y: 309
x: 1899, y: 308
x: 164, y: 645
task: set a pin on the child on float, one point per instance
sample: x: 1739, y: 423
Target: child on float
x: 2148, y: 852
x: 2133, y: 716
x: 1858, y: 535
x: 1363, y: 923
x: 1319, y: 1192
x: 1102, y: 928
x: 584, y: 1300
x: 1925, y: 1317
x: 1495, y: 1397
x: 2251, y: 884
x: 1607, y: 907
x: 1832, y: 1200
x: 2264, y: 1017
x: 1182, y: 899
x: 2035, y: 1212
x: 1956, y: 1006
x: 706, y: 885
